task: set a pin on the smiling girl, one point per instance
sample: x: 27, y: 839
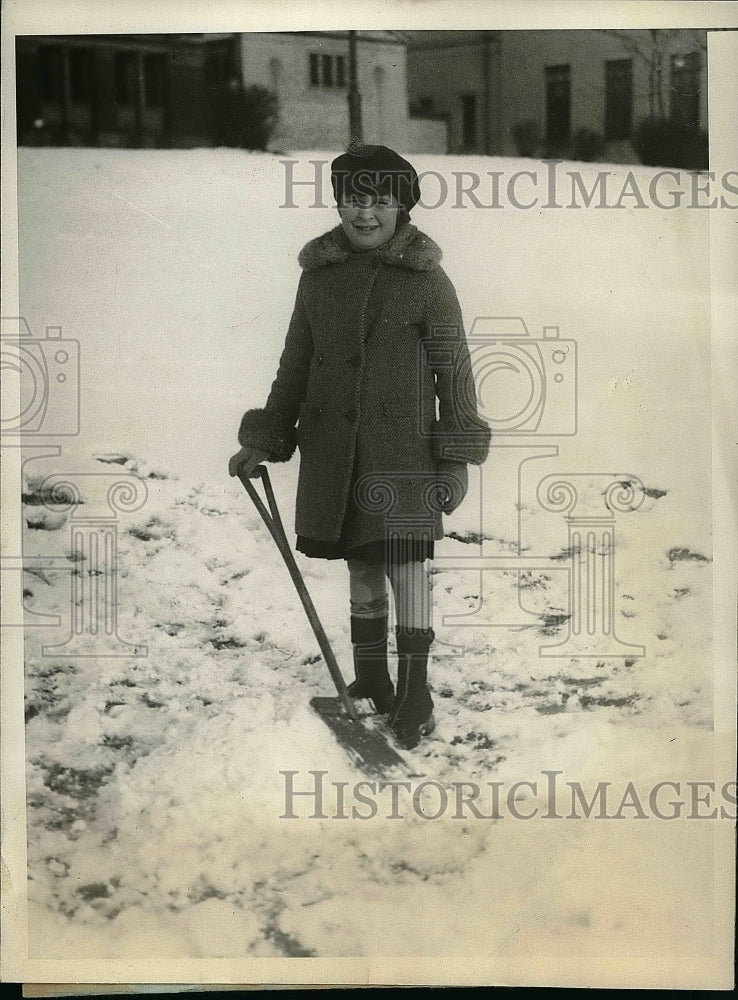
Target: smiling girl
x: 376, y: 375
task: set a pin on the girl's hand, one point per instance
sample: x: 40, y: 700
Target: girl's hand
x: 453, y: 483
x: 245, y: 461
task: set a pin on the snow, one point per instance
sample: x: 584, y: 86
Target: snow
x: 154, y: 787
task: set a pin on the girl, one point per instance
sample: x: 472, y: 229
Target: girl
x: 376, y: 375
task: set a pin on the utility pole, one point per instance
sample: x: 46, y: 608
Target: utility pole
x: 487, y: 63
x: 356, y: 138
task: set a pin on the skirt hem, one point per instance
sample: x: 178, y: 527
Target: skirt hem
x: 378, y: 552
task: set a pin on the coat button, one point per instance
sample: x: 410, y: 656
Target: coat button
x: 316, y: 410
x: 320, y: 359
x: 351, y: 414
x: 354, y: 360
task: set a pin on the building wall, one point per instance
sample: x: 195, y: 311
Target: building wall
x: 524, y: 93
x: 176, y: 109
x: 198, y: 75
x: 506, y: 70
x: 444, y: 76
x: 314, y: 116
x: 425, y: 136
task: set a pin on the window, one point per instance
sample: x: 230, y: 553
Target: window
x: 50, y: 69
x: 216, y: 66
x: 618, y: 98
x: 327, y: 71
x: 314, y: 70
x: 469, y: 121
x: 685, y: 88
x: 126, y: 77
x: 81, y: 73
x: 154, y: 79
x: 275, y: 72
x: 558, y: 102
x: 327, y: 66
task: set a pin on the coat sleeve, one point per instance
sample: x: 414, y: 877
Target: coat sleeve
x: 459, y: 433
x: 272, y: 428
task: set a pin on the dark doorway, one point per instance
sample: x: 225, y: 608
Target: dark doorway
x: 618, y: 98
x: 469, y: 121
x: 685, y: 89
x: 558, y: 103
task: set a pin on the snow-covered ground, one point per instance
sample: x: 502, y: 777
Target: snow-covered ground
x: 154, y: 785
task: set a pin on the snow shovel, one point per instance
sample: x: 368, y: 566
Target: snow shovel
x: 368, y: 747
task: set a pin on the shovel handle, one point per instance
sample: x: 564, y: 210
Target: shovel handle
x: 273, y: 522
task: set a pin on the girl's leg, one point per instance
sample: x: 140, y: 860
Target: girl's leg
x: 368, y: 603
x: 367, y: 590
x: 412, y: 717
x: 411, y: 586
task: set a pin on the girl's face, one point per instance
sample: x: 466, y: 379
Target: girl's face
x: 368, y: 220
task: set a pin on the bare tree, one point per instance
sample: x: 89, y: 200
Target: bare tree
x: 650, y: 51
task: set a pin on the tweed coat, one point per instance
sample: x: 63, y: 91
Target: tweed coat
x: 375, y: 372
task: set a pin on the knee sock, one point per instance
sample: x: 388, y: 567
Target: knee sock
x: 367, y: 590
x: 368, y: 601
x: 411, y: 587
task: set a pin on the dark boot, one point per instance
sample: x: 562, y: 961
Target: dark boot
x: 369, y: 638
x: 412, y: 716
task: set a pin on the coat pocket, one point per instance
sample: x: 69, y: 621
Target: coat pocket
x: 303, y: 424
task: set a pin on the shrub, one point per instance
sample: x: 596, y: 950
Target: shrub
x: 695, y: 148
x: 246, y: 117
x: 664, y: 142
x: 587, y: 145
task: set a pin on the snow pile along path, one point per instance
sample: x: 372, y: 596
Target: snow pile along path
x: 156, y: 784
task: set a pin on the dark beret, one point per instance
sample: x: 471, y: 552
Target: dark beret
x: 372, y: 167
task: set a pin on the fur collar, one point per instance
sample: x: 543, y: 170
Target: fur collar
x: 408, y: 248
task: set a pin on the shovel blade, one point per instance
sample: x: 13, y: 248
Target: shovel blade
x: 368, y: 746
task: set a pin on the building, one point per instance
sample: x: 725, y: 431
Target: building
x: 309, y: 71
x: 528, y: 92
x: 122, y: 90
x: 174, y: 90
x: 504, y: 93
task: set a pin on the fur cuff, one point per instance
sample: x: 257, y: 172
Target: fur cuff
x: 259, y: 429
x: 453, y: 444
